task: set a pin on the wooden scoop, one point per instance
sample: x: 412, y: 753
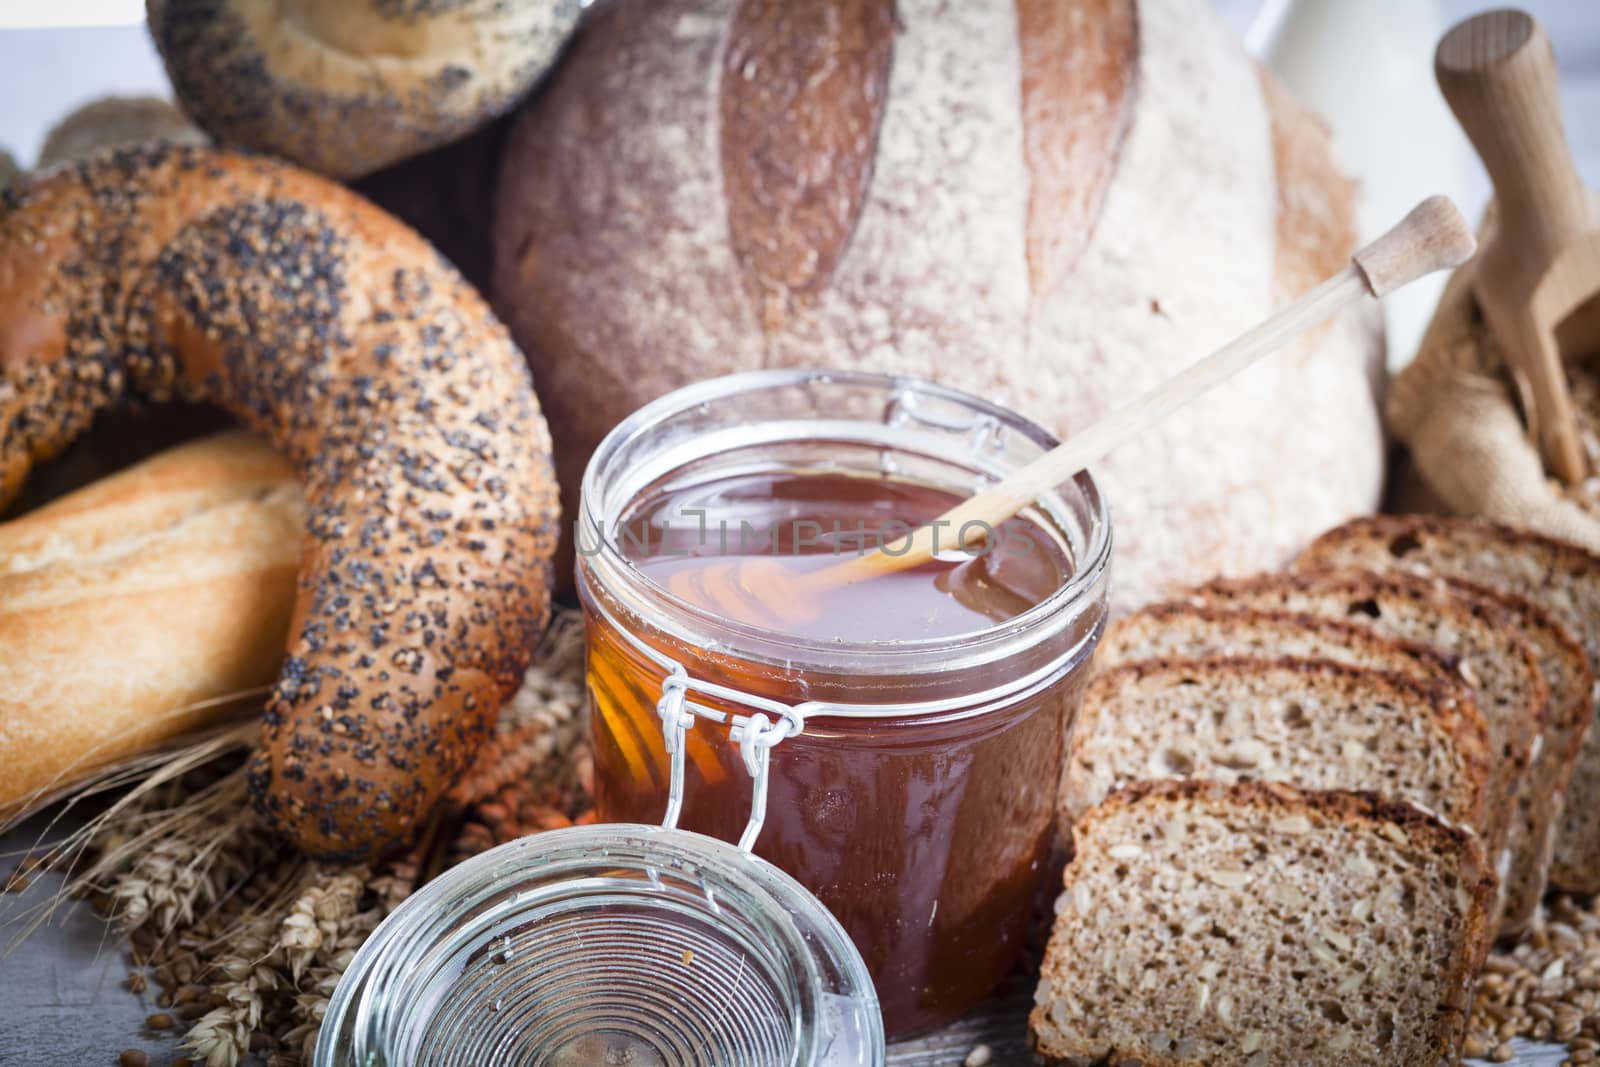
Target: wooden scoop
x: 1432, y: 237
x: 1539, y: 271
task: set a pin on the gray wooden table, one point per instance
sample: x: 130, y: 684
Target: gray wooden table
x: 62, y: 1001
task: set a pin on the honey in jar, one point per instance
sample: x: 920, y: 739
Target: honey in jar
x: 898, y: 737
x: 759, y: 548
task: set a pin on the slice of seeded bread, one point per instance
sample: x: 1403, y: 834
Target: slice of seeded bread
x: 1256, y: 925
x: 1319, y: 724
x: 1493, y: 658
x: 1561, y: 578
x: 1175, y: 630
x: 1541, y: 803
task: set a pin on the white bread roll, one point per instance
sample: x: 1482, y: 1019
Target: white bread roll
x: 1050, y: 203
x: 345, y: 87
x: 123, y: 603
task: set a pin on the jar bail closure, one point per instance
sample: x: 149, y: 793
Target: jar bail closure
x: 755, y: 734
x: 772, y: 721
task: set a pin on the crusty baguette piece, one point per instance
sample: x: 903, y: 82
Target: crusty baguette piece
x: 1315, y: 723
x: 129, y: 602
x: 1257, y: 925
x: 1493, y: 657
x: 1561, y: 578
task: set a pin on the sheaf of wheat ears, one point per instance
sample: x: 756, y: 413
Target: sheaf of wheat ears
x: 560, y: 652
x: 142, y: 776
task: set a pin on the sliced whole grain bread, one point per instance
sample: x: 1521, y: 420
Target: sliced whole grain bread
x: 1561, y: 578
x: 1541, y: 800
x: 1259, y: 925
x: 1179, y: 630
x: 1541, y: 803
x: 1493, y: 657
x: 1315, y: 723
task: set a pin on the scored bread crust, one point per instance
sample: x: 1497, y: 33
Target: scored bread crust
x: 1462, y: 722
x: 1333, y: 437
x: 1337, y: 806
x: 1023, y: 185
x: 1561, y: 577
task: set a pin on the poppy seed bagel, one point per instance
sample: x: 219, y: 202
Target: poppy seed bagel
x: 344, y: 339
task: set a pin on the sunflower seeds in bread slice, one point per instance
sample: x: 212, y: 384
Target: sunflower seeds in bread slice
x: 1561, y: 578
x: 1176, y: 630
x: 1316, y: 723
x: 1541, y: 803
x: 1493, y: 658
x: 1541, y: 800
x: 1257, y: 924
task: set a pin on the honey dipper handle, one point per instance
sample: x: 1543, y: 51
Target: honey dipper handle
x: 1432, y: 237
x: 1498, y: 73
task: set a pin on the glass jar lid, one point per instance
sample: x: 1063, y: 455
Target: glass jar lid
x: 614, y: 943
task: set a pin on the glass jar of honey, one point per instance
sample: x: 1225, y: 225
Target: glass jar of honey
x: 894, y: 742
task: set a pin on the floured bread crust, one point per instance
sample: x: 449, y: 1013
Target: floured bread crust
x: 1040, y: 207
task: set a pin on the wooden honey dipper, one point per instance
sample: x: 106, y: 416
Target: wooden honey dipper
x: 1432, y: 237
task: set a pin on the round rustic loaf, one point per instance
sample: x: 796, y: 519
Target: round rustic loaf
x: 347, y: 87
x: 406, y: 411
x: 1053, y: 205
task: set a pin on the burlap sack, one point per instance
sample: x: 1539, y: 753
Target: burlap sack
x: 1458, y: 411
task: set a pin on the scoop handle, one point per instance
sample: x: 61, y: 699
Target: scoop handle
x: 1497, y: 72
x: 1432, y: 237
